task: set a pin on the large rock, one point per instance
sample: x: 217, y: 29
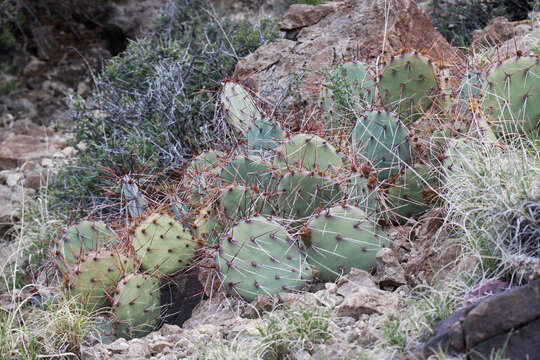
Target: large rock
x: 498, y: 30
x: 508, y: 322
x: 316, y: 36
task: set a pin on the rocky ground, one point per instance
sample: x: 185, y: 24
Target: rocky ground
x: 34, y: 140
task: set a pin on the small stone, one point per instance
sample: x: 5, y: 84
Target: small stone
x: 138, y: 349
x: 354, y: 279
x: 390, y: 273
x: 331, y: 287
x: 118, y: 346
x: 368, y: 301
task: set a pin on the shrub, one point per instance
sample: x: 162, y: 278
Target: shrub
x: 457, y: 20
x: 154, y: 104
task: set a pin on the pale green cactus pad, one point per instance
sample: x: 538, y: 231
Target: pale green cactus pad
x: 258, y: 257
x: 136, y: 305
x: 94, y: 279
x: 408, y: 85
x: 163, y: 245
x: 341, y: 238
x: 512, y: 96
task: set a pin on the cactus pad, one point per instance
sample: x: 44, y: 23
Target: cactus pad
x: 80, y: 239
x: 257, y: 257
x: 93, y: 280
x: 208, y: 227
x: 136, y: 305
x: 250, y: 171
x: 302, y: 192
x: 383, y: 141
x: 407, y: 85
x: 309, y: 152
x: 410, y: 196
x: 240, y: 107
x: 136, y: 202
x: 162, y: 244
x: 340, y: 238
x: 264, y: 135
x: 512, y: 99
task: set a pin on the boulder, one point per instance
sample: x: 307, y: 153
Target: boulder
x: 498, y: 30
x: 507, y: 322
x: 317, y: 36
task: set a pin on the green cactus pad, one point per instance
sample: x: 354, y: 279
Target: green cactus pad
x: 250, y: 171
x: 471, y: 84
x: 136, y: 202
x: 302, y: 192
x: 163, y: 245
x: 407, y: 86
x: 341, y: 238
x: 258, y: 257
x: 80, y: 239
x: 238, y: 202
x: 200, y: 174
x: 240, y: 107
x: 512, y: 99
x: 309, y: 152
x: 208, y: 226
x: 136, y: 305
x: 94, y: 279
x: 360, y: 194
x: 383, y: 141
x: 410, y: 196
x: 264, y: 135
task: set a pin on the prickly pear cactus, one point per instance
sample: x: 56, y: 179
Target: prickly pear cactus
x: 512, y: 96
x: 250, y: 171
x: 413, y: 193
x: 408, y: 85
x: 309, y: 152
x: 136, y: 305
x: 238, y: 202
x: 471, y: 84
x: 79, y: 240
x: 361, y: 194
x: 162, y: 244
x: 200, y: 174
x: 136, y: 202
x: 207, y: 225
x: 340, y: 238
x: 94, y: 278
x: 264, y: 135
x: 302, y: 192
x: 383, y: 141
x: 258, y: 257
x: 240, y: 107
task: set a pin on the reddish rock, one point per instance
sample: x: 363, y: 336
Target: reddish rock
x: 498, y: 30
x: 317, y: 36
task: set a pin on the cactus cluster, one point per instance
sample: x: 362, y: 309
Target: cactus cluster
x: 282, y: 205
x: 104, y: 271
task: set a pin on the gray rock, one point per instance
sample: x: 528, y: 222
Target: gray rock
x: 390, y: 273
x: 507, y: 322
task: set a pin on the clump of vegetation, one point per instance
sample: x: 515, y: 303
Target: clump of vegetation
x: 154, y: 103
x: 456, y: 20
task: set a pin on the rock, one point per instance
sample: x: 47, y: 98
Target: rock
x: 33, y: 65
x: 390, y: 273
x: 498, y: 30
x: 525, y: 39
x: 15, y: 150
x: 133, y: 17
x: 509, y: 320
x: 365, y: 300
x: 301, y: 15
x: 354, y: 279
x: 138, y: 349
x: 336, y: 30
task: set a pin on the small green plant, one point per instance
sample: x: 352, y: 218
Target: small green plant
x: 287, y: 331
x: 395, y: 333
